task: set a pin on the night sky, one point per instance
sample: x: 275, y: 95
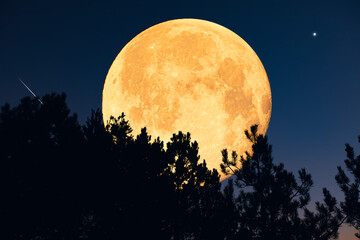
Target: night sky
x: 55, y: 46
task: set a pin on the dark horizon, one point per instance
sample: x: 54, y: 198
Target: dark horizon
x: 61, y: 179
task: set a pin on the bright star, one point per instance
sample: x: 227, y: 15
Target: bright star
x: 314, y: 34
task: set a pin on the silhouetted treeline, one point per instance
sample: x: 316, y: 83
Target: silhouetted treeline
x: 350, y: 186
x: 61, y: 180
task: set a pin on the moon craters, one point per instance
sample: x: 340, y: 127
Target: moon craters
x: 193, y: 76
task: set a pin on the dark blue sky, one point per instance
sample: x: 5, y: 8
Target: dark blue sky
x: 315, y: 82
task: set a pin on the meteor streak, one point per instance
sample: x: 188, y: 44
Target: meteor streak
x: 36, y: 97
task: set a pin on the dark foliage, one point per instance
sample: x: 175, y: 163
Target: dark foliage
x: 350, y: 187
x: 60, y: 180
x: 271, y: 198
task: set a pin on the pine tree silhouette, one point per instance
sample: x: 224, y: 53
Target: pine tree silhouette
x: 270, y: 197
x: 350, y: 186
x: 61, y: 180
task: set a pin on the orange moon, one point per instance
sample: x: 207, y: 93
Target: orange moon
x: 193, y: 76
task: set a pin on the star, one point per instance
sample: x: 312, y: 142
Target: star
x: 314, y: 34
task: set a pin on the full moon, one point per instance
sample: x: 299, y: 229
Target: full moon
x: 192, y: 76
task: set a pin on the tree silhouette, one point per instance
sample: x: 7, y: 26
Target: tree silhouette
x: 61, y: 180
x: 350, y: 187
x: 36, y: 141
x: 270, y: 197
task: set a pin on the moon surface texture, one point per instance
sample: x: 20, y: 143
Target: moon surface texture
x: 192, y: 76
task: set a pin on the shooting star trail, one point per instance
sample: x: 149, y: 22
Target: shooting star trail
x: 36, y: 97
